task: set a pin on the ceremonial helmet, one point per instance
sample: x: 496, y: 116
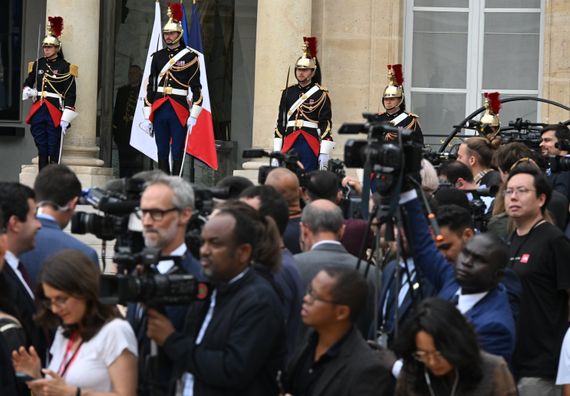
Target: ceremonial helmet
x: 54, y: 28
x: 174, y: 23
x: 492, y: 106
x: 395, y: 87
x: 309, y: 58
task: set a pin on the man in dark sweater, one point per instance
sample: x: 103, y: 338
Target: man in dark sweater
x: 234, y: 342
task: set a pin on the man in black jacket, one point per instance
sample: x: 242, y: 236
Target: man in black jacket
x: 336, y: 360
x: 234, y: 342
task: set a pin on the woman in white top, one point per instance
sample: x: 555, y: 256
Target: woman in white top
x: 94, y: 352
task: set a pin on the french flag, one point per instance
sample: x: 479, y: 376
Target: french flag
x: 201, y: 143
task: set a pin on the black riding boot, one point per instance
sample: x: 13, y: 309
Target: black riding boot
x: 164, y: 166
x: 176, y: 165
x: 42, y: 161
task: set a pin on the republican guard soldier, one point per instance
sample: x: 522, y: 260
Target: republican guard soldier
x: 304, y: 120
x: 174, y: 96
x: 395, y: 105
x: 51, y: 85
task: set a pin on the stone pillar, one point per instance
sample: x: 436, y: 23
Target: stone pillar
x: 556, y: 73
x: 281, y: 26
x: 80, y: 43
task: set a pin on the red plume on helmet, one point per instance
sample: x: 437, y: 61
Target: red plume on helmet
x: 494, y: 101
x: 176, y: 9
x: 56, y: 23
x: 397, y: 73
x: 311, y: 45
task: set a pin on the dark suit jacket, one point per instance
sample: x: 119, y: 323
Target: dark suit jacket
x: 27, y: 308
x: 356, y: 370
x: 424, y: 290
x: 492, y: 317
x: 50, y: 239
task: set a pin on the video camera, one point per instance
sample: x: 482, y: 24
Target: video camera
x: 118, y: 220
x: 388, y: 160
x: 289, y: 160
x: 525, y: 132
x: 150, y: 287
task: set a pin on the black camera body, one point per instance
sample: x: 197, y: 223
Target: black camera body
x: 150, y: 287
x: 558, y: 163
x: 389, y: 161
x: 289, y: 160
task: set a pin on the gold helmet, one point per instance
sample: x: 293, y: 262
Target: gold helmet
x: 309, y: 58
x: 174, y: 23
x: 54, y: 28
x: 395, y: 87
x: 491, y: 115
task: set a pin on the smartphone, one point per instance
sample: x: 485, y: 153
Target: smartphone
x: 23, y: 377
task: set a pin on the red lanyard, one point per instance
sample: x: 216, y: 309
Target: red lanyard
x: 66, y: 362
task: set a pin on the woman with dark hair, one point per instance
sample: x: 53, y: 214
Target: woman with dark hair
x: 442, y: 357
x: 94, y: 349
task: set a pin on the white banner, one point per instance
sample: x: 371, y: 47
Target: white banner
x: 140, y: 139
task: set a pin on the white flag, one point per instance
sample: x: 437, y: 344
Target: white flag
x: 139, y: 137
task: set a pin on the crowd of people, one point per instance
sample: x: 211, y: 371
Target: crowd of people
x: 470, y: 294
x: 294, y: 307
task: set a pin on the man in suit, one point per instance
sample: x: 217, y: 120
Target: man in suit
x: 322, y: 226
x: 336, y: 360
x: 57, y: 190
x: 473, y: 283
x: 165, y: 209
x: 19, y: 208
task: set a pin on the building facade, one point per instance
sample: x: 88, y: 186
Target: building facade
x: 452, y: 52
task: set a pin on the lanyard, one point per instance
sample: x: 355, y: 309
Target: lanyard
x: 66, y: 362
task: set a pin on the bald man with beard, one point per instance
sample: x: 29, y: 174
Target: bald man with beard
x: 287, y: 184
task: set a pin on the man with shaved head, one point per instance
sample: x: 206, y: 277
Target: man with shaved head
x: 287, y: 184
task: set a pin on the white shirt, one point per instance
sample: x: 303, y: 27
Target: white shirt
x: 90, y: 367
x: 325, y: 243
x: 468, y: 301
x: 13, y: 262
x: 164, y: 266
x: 563, y: 376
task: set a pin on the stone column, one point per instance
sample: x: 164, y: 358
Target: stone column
x: 556, y: 73
x: 80, y: 44
x: 281, y: 26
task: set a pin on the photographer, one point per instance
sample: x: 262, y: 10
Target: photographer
x: 552, y: 138
x: 234, y: 342
x: 165, y: 209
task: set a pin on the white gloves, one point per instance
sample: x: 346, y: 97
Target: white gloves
x: 326, y: 148
x: 64, y: 125
x: 28, y: 93
x: 323, y: 161
x: 146, y: 126
x: 190, y: 123
x: 277, y: 145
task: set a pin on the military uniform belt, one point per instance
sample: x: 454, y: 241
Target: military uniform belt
x: 45, y: 94
x: 173, y: 91
x: 302, y: 123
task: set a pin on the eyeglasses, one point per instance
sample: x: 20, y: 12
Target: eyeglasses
x: 422, y: 356
x: 313, y: 297
x: 59, y: 302
x: 517, y: 191
x: 155, y: 214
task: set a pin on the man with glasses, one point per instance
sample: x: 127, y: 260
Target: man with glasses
x: 336, y: 359
x: 473, y: 283
x: 234, y: 341
x: 165, y: 210
x: 539, y: 254
x: 57, y: 191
